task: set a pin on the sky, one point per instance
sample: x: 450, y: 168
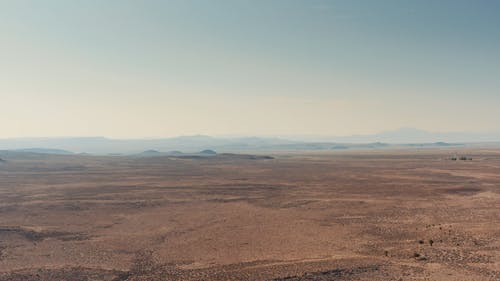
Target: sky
x: 141, y: 69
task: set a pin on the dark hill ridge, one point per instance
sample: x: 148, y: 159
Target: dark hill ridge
x: 150, y: 152
x: 6, y: 155
x: 208, y: 152
x: 204, y: 154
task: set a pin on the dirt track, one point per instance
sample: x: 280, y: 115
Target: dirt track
x: 390, y: 215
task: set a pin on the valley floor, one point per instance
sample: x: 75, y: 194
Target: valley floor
x: 380, y: 215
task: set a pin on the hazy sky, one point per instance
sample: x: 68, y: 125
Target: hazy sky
x: 163, y: 68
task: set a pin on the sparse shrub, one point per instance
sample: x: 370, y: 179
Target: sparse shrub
x: 416, y: 255
x: 386, y: 253
x: 420, y: 241
x: 431, y: 242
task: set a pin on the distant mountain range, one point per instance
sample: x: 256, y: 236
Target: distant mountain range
x: 415, y: 136
x: 406, y: 137
x: 45, y: 151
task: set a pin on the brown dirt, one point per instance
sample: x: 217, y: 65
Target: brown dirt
x: 342, y: 216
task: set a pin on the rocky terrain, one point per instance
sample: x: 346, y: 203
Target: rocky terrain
x: 386, y: 215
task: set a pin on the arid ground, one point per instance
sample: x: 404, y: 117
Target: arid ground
x: 372, y: 215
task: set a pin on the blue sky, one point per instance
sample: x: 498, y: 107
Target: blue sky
x: 165, y: 68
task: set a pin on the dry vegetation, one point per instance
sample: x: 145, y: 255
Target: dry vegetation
x: 392, y: 215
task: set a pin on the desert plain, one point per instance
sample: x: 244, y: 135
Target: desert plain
x: 349, y: 215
